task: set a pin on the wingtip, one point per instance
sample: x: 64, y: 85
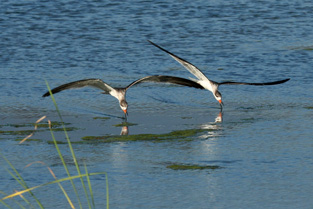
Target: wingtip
x: 46, y: 94
x: 153, y: 43
x: 286, y: 80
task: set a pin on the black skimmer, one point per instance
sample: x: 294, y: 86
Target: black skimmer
x: 120, y: 93
x: 209, y: 84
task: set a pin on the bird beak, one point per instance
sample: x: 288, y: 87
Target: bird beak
x: 126, y: 113
x: 221, y: 103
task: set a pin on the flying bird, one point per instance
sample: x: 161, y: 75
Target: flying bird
x: 120, y: 93
x: 210, y: 84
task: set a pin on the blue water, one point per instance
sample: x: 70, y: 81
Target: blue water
x: 263, y: 144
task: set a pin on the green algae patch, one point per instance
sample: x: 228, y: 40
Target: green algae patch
x: 125, y: 124
x: 64, y: 142
x: 124, y: 138
x: 20, y: 132
x: 101, y: 118
x: 309, y: 108
x: 181, y: 134
x: 58, y: 142
x: 54, y: 124
x: 29, y: 140
x: 248, y: 119
x: 305, y: 48
x: 72, y: 142
x: 95, y: 137
x: 66, y: 128
x: 192, y: 167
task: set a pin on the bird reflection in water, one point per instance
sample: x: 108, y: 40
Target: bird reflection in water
x: 124, y: 130
x: 213, y: 127
x: 219, y: 118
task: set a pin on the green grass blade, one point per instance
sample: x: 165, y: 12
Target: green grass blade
x: 90, y: 188
x: 21, y: 206
x: 65, y: 166
x: 21, y: 181
x: 59, y: 184
x: 57, y: 148
x: 69, y: 144
x: 66, y: 195
x: 73, y: 154
x: 18, y: 180
x: 107, y: 189
x: 52, y: 182
x: 6, y: 205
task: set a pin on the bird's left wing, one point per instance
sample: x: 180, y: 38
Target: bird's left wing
x: 167, y: 79
x: 190, y: 67
x: 96, y: 83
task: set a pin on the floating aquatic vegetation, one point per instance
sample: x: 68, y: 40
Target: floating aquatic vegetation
x: 18, y: 132
x: 186, y: 117
x: 181, y: 134
x: 192, y: 167
x: 29, y: 140
x: 309, y: 108
x: 101, y: 118
x: 58, y: 142
x: 66, y: 128
x: 54, y: 124
x: 306, y: 48
x: 125, y: 124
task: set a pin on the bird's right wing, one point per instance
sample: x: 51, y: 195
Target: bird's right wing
x: 254, y: 84
x: 96, y: 83
x: 190, y: 67
x: 167, y: 79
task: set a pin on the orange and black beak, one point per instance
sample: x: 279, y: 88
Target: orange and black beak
x: 126, y: 113
x: 221, y: 103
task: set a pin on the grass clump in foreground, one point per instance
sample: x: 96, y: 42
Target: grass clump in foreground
x: 84, y: 177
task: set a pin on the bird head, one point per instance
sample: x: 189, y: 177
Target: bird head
x: 218, y: 97
x: 124, y: 105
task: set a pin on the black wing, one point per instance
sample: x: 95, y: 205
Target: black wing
x: 254, y: 84
x: 167, y: 79
x: 96, y: 83
x: 190, y: 67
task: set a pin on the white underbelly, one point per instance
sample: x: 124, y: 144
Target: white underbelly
x: 207, y: 85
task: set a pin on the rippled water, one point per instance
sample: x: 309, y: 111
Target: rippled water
x: 263, y: 144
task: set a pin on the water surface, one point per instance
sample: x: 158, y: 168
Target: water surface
x: 263, y: 143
